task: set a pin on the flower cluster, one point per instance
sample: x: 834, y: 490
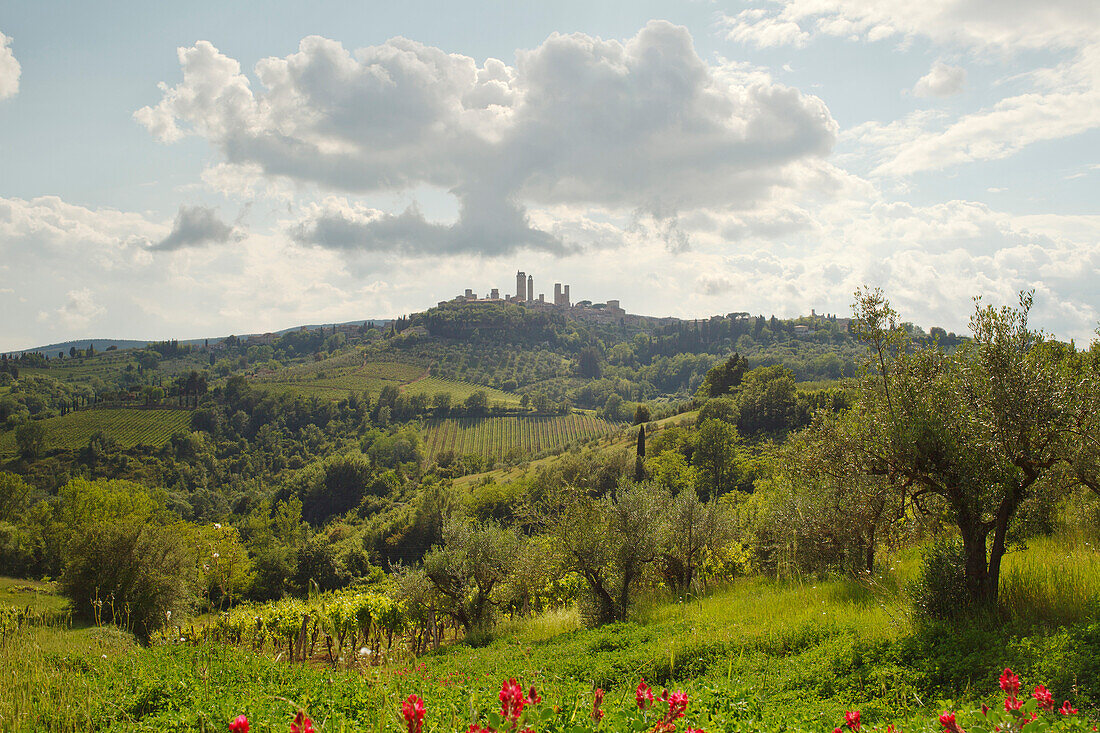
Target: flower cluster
x: 302, y: 723
x: 511, y: 700
x: 643, y: 696
x: 413, y: 710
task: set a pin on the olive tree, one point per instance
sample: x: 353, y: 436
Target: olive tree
x: 978, y: 428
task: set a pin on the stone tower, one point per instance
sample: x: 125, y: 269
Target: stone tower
x: 530, y: 288
x: 521, y: 286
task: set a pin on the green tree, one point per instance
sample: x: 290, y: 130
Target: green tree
x: 723, y: 378
x: 30, y: 438
x: 716, y: 458
x: 469, y: 568
x: 978, y: 429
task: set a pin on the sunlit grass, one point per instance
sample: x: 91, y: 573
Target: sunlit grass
x: 1054, y: 581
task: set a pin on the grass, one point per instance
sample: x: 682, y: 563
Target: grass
x: 757, y: 655
x: 1056, y: 580
x: 335, y: 378
x: 130, y: 427
x: 33, y: 594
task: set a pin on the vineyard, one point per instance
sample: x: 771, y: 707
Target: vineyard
x: 130, y: 427
x: 496, y: 437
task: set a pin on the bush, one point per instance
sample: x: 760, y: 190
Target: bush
x: 130, y: 573
x: 939, y: 591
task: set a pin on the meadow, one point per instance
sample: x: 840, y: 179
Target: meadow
x: 129, y: 426
x: 756, y: 654
x: 334, y: 379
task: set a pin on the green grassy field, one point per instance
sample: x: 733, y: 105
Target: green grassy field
x: 33, y: 594
x: 758, y: 655
x: 326, y: 380
x: 130, y: 427
x: 496, y: 437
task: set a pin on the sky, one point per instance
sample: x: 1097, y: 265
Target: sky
x: 194, y: 170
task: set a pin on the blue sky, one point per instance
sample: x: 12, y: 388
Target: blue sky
x: 334, y: 161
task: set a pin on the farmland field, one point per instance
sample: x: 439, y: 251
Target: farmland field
x: 495, y: 437
x: 335, y: 381
x: 128, y: 427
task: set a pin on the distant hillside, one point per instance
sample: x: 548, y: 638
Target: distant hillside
x: 99, y: 345
x: 103, y: 344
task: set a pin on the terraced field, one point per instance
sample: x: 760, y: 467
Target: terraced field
x: 130, y: 427
x: 495, y: 437
x: 336, y: 381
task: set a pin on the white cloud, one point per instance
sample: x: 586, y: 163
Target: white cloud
x: 78, y: 311
x: 9, y: 69
x: 941, y: 81
x: 1064, y: 100
x: 643, y: 124
x: 1009, y: 26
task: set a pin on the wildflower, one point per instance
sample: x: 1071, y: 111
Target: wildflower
x: 302, y: 723
x: 239, y: 724
x: 533, y: 697
x: 643, y: 695
x: 693, y: 730
x: 837, y: 730
x: 677, y: 704
x: 475, y: 728
x: 1067, y: 709
x: 1046, y: 700
x: 947, y: 720
x: 413, y: 709
x: 1010, y: 683
x: 597, y: 701
x: 511, y: 700
x: 851, y: 719
x: 985, y: 709
x: 1012, y: 704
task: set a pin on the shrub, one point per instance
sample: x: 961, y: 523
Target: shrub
x: 130, y: 573
x: 939, y: 591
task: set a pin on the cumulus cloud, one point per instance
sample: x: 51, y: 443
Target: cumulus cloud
x: 78, y: 310
x: 9, y: 69
x: 641, y: 124
x: 195, y: 226
x: 941, y: 81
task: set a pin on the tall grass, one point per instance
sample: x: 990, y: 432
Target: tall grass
x: 1055, y: 581
x: 46, y: 679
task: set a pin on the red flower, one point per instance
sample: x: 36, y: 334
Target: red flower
x: 837, y: 730
x: 985, y: 709
x: 693, y: 730
x: 475, y: 728
x: 643, y: 695
x: 1010, y: 683
x: 302, y: 723
x: 1012, y: 704
x: 1046, y: 700
x: 677, y: 704
x: 413, y: 709
x: 597, y: 701
x: 1066, y: 709
x: 947, y: 720
x: 511, y: 700
x: 239, y: 724
x: 851, y: 719
x: 533, y: 697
